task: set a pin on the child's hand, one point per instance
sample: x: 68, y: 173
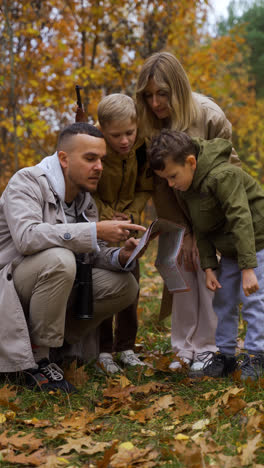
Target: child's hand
x: 120, y: 216
x: 189, y: 254
x: 211, y: 280
x: 249, y: 281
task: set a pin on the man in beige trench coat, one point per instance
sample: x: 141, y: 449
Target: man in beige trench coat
x: 47, y: 215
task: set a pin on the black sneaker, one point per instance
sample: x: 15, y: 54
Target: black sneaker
x: 219, y: 365
x: 252, y: 366
x: 48, y: 377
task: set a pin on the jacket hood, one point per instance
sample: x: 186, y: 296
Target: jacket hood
x: 53, y: 171
x: 210, y: 153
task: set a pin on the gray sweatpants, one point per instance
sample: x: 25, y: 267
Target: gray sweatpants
x: 44, y: 282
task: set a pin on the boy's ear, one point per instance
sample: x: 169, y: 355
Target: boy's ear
x: 191, y: 160
x: 97, y: 125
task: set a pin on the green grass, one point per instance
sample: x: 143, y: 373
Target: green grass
x: 227, y: 429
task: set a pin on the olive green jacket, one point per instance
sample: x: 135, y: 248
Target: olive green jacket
x: 226, y: 206
x: 124, y: 186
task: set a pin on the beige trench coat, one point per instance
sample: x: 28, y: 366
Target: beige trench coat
x: 211, y: 123
x: 32, y: 219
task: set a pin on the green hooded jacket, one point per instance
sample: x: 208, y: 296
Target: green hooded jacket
x: 226, y: 206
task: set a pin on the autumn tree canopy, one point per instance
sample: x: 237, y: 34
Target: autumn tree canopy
x: 48, y: 47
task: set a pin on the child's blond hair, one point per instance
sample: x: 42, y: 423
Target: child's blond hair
x: 116, y: 107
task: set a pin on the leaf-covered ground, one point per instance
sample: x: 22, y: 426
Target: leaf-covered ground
x: 148, y: 417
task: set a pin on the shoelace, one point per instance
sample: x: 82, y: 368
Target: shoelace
x: 206, y: 357
x: 248, y: 360
x: 52, y: 371
x: 131, y: 358
x: 108, y: 362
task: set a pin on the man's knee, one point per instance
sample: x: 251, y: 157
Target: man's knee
x: 61, y: 261
x: 108, y: 285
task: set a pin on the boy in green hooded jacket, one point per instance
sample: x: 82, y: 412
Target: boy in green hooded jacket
x: 226, y: 207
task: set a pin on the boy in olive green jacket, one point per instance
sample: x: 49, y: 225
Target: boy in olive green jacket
x: 226, y: 206
x: 122, y: 194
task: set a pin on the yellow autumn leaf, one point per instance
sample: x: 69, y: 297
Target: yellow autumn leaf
x: 126, y: 446
x: 181, y: 437
x: 2, y: 418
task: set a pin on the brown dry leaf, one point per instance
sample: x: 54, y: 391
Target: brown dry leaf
x: 234, y: 406
x: 162, y: 363
x: 118, y: 392
x: 6, y: 393
x: 255, y: 422
x: 148, y: 413
x: 213, y: 393
x: 228, y: 462
x: 34, y: 459
x: 104, y: 463
x: 151, y: 387
x: 182, y: 408
x: 83, y: 445
x: 248, y: 452
x: 190, y: 456
x: 223, y: 400
x: 134, y: 457
x: 115, y: 408
x: 55, y: 462
x: 19, y: 441
x: 76, y: 375
x: 124, y: 393
x: 233, y: 391
x: 208, y: 445
x: 124, y: 382
x: 75, y: 422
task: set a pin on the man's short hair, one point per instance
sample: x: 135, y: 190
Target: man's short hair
x: 76, y: 129
x: 170, y: 143
x: 116, y: 107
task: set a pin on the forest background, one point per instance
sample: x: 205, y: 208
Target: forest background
x: 46, y: 47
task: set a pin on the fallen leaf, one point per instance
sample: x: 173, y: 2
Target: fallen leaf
x: 248, y: 452
x: 55, y: 462
x: 135, y: 456
x: 126, y: 445
x: 255, y: 422
x: 2, y: 418
x: 234, y: 406
x: 104, y: 463
x: 19, y: 441
x: 201, y: 424
x: 181, y: 437
x: 82, y: 445
x: 35, y: 459
x: 76, y: 375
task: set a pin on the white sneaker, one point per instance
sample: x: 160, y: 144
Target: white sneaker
x: 197, y: 366
x: 174, y: 365
x: 196, y: 369
x: 107, y: 363
x: 130, y: 358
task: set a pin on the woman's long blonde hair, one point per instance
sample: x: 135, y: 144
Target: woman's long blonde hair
x: 170, y: 77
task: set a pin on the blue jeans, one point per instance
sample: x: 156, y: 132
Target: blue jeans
x: 226, y: 302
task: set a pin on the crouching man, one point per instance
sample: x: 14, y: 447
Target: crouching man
x: 47, y: 217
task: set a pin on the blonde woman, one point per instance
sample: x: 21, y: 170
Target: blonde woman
x: 165, y: 100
